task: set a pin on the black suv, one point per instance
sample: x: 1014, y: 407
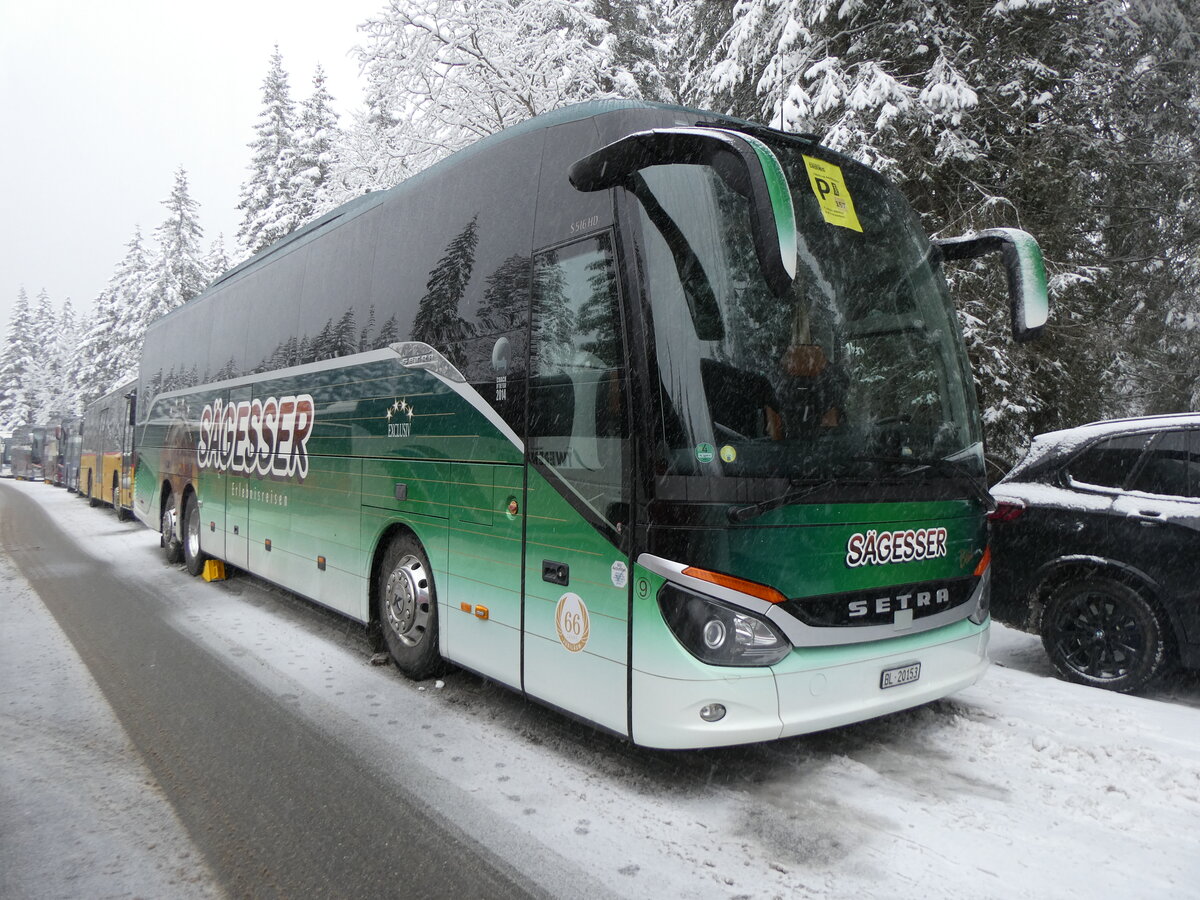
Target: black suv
x: 1096, y: 544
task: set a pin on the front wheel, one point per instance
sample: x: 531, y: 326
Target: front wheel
x: 168, y: 540
x: 193, y: 556
x: 407, y: 606
x: 1104, y: 633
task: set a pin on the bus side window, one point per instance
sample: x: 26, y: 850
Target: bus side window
x: 577, y: 421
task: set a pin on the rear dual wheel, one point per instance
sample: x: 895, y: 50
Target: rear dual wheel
x: 116, y: 504
x: 193, y: 557
x: 168, y: 538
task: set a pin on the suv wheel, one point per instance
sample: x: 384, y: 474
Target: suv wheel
x: 1103, y: 633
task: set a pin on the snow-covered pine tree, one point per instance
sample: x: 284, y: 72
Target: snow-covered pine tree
x: 315, y: 140
x: 43, y: 375
x: 177, y: 273
x: 1060, y: 116
x: 266, y: 201
x: 1142, y: 211
x: 15, y: 406
x: 103, y: 359
x: 643, y: 46
x: 444, y: 73
x: 181, y: 271
x: 217, y: 261
x: 66, y: 402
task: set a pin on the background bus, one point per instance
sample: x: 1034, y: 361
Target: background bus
x: 70, y: 451
x: 27, y: 452
x: 20, y: 451
x: 661, y: 418
x: 6, y: 455
x: 50, y: 454
x: 106, y: 450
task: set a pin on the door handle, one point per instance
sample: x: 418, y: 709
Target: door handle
x: 556, y: 572
x: 1148, y: 517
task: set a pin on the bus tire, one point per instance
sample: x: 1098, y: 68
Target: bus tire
x: 116, y: 504
x: 171, y: 545
x: 407, y: 606
x: 91, y: 496
x: 193, y: 556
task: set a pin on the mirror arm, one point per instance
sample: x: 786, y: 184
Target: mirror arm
x: 759, y: 177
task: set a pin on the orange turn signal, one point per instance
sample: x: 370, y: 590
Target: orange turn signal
x: 753, y: 588
x: 984, y: 562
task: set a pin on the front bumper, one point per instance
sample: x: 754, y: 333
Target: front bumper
x: 812, y: 689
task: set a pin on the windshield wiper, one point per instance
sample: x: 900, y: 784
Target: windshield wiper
x: 937, y: 464
x: 792, y: 495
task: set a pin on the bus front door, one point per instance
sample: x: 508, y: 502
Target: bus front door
x: 576, y: 623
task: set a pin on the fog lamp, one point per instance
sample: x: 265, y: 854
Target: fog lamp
x: 712, y: 712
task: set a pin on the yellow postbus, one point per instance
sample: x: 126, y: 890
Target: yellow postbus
x: 106, y: 460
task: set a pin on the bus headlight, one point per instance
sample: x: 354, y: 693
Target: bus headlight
x: 719, y: 634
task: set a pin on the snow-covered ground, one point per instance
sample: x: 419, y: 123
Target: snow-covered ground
x: 1022, y: 786
x: 80, y: 814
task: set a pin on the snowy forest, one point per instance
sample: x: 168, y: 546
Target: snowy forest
x: 1076, y: 120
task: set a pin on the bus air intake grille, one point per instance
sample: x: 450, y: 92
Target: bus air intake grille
x: 878, y: 606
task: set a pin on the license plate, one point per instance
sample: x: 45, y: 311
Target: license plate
x: 899, y: 675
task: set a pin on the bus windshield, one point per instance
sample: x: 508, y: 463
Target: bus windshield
x: 861, y: 365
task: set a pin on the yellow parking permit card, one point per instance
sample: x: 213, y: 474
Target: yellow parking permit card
x: 832, y: 194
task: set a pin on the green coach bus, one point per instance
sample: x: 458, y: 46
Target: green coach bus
x: 659, y: 417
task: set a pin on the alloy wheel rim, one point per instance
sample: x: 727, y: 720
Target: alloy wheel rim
x: 1098, y: 636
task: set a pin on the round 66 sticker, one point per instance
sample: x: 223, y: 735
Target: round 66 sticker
x: 571, y: 620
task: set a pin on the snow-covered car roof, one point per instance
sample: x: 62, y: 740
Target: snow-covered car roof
x: 1066, y: 441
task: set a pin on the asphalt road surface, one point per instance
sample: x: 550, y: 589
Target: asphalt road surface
x: 278, y: 806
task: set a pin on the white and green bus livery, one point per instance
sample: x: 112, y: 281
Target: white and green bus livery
x: 659, y: 417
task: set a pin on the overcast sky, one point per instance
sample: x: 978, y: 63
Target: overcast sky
x: 102, y: 100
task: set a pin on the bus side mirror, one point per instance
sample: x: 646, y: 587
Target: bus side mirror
x: 1022, y: 258
x: 132, y: 398
x: 744, y: 163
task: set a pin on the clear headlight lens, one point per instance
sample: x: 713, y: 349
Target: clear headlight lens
x: 720, y: 634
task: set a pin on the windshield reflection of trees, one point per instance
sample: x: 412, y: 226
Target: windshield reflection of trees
x: 859, y: 360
